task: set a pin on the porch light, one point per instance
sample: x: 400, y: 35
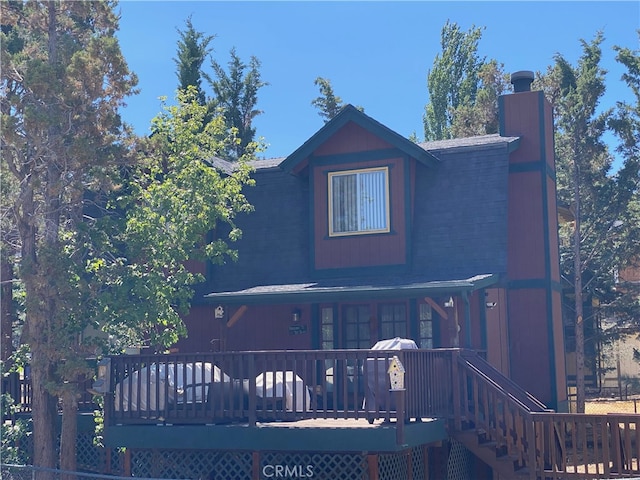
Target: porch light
x: 295, y: 315
x: 449, y: 303
x: 219, y: 312
x: 491, y: 305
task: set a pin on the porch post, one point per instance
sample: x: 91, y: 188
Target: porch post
x: 467, y: 320
x: 455, y: 380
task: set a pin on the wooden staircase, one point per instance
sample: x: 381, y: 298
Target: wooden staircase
x: 520, y: 438
x: 491, y: 453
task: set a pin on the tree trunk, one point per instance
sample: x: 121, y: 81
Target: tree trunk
x: 69, y: 433
x: 6, y: 307
x: 44, y: 414
x: 577, y: 286
x: 44, y: 408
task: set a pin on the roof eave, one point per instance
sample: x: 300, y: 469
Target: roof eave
x: 337, y: 294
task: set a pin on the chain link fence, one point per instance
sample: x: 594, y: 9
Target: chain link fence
x: 29, y: 472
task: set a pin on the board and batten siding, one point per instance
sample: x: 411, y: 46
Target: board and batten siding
x: 347, y: 150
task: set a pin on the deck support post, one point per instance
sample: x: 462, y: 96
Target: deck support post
x: 127, y: 462
x: 425, y: 461
x: 107, y: 460
x: 255, y: 465
x: 372, y: 463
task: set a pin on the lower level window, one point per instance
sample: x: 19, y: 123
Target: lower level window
x: 426, y: 326
x: 393, y: 321
x: 328, y: 341
x: 357, y: 326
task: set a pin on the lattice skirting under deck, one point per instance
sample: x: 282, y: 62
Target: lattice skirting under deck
x: 240, y: 465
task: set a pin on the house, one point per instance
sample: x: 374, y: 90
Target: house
x: 456, y: 246
x: 361, y: 235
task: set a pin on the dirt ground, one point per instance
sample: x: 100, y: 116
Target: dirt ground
x: 612, y: 406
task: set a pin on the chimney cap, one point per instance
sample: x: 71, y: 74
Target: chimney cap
x: 522, y: 80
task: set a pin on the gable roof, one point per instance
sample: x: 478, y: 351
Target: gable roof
x: 458, y: 238
x: 349, y: 113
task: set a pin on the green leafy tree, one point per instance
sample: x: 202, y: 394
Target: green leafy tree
x: 13, y: 434
x: 63, y: 80
x: 453, y: 81
x: 166, y: 214
x: 236, y: 97
x: 601, y: 201
x: 193, y: 48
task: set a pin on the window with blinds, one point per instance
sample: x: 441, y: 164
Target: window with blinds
x: 359, y: 201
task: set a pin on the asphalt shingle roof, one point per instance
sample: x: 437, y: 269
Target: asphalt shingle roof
x: 459, y: 225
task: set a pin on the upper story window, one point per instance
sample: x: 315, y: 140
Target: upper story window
x: 359, y: 201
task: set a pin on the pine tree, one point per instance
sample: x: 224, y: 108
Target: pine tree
x: 328, y: 103
x: 63, y: 80
x: 481, y: 117
x: 193, y: 47
x: 601, y: 200
x: 236, y: 97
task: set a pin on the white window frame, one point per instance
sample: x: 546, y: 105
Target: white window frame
x: 360, y: 229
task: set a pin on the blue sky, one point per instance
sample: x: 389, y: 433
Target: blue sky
x: 376, y: 54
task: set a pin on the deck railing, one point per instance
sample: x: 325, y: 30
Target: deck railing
x: 498, y: 415
x: 483, y: 408
x: 594, y: 446
x: 18, y: 387
x: 276, y: 385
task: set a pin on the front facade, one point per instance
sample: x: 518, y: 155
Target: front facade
x: 361, y: 235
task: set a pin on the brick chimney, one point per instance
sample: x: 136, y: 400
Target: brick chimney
x: 536, y: 344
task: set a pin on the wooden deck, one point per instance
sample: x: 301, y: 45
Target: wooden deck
x: 310, y: 435
x: 340, y: 401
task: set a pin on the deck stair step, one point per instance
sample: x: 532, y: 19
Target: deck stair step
x: 487, y: 451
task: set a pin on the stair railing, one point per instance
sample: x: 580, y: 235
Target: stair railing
x: 498, y: 410
x: 543, y: 443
